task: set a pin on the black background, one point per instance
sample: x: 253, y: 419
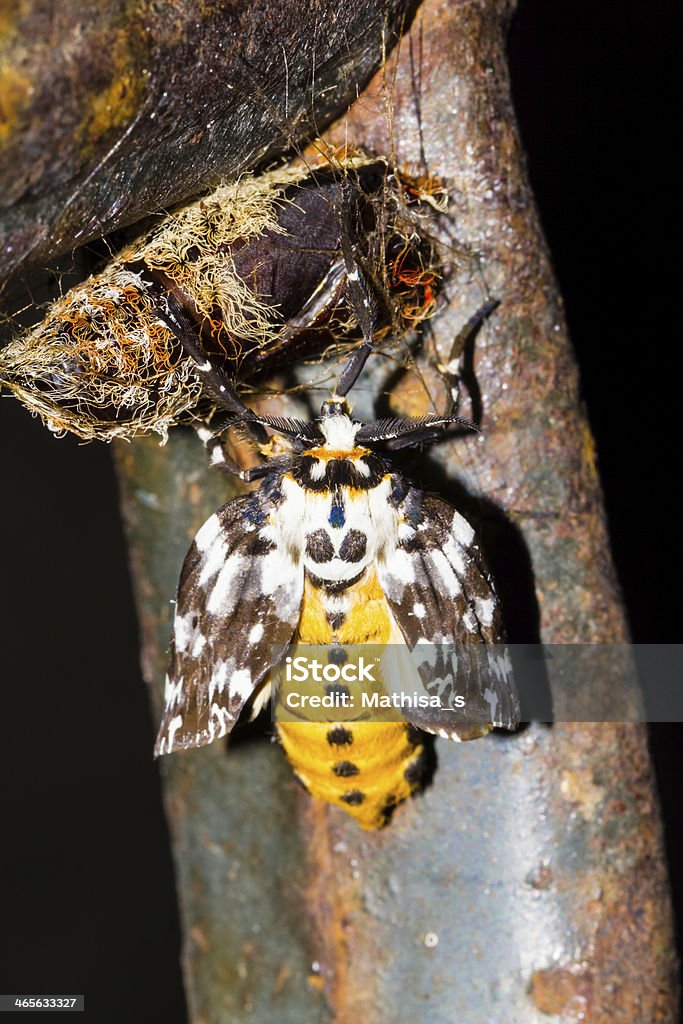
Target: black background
x: 87, y: 885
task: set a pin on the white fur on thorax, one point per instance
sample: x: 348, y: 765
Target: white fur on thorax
x: 303, y: 512
x: 339, y: 433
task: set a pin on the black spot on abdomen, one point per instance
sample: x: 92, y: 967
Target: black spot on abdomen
x: 353, y: 797
x: 337, y: 689
x: 416, y: 771
x: 337, y: 656
x: 339, y: 736
x: 335, y: 620
x: 345, y: 769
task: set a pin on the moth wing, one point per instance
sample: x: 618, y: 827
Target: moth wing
x: 443, y: 601
x: 239, y: 601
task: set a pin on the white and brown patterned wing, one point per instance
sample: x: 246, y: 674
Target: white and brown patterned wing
x: 239, y: 601
x: 443, y: 600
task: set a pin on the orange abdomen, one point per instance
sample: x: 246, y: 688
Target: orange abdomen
x: 367, y: 768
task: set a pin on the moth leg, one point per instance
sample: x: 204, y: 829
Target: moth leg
x: 361, y: 296
x: 223, y: 388
x: 453, y: 371
x: 215, y: 378
x: 214, y: 442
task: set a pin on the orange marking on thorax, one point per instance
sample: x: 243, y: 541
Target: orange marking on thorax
x: 328, y: 455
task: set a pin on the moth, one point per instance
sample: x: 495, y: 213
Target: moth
x: 336, y: 548
x: 256, y: 266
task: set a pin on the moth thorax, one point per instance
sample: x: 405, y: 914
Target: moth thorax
x: 339, y: 433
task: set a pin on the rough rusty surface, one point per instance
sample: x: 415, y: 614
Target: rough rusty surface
x: 113, y: 109
x: 528, y: 883
x: 535, y: 861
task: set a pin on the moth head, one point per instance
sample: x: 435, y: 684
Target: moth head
x: 335, y: 405
x: 334, y: 429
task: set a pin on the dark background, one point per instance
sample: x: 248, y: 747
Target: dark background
x: 87, y: 886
